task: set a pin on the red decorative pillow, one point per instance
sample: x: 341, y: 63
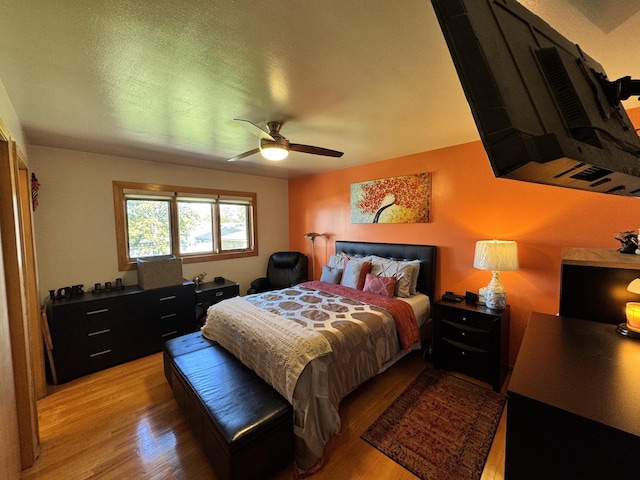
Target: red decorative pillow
x: 384, y: 286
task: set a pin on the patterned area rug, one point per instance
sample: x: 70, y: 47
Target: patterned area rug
x: 440, y: 428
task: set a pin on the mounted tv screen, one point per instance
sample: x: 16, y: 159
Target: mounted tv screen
x: 545, y: 110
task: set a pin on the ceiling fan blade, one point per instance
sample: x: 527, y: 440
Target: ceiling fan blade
x: 254, y: 129
x: 243, y: 155
x: 297, y: 147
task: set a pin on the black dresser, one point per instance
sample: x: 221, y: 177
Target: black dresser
x: 574, y: 403
x: 91, y: 332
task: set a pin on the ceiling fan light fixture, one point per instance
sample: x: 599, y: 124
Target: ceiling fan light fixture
x: 273, y: 151
x: 274, y: 146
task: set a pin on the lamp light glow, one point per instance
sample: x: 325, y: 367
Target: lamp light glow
x: 497, y: 256
x: 633, y: 308
x: 274, y: 151
x: 633, y: 316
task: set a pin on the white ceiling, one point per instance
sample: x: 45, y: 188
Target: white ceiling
x: 164, y: 80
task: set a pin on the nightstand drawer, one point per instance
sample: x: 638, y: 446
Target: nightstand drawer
x: 467, y: 317
x: 217, y: 294
x: 467, y: 359
x: 467, y: 334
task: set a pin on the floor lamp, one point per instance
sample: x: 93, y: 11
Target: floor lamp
x: 312, y: 236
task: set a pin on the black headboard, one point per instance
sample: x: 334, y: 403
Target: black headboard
x: 426, y: 254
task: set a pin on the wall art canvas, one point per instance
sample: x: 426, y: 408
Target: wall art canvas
x: 405, y: 199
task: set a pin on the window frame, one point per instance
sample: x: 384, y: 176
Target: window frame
x: 120, y: 189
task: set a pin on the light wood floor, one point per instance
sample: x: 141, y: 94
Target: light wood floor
x: 123, y: 423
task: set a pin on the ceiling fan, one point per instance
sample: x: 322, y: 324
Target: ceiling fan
x: 274, y: 146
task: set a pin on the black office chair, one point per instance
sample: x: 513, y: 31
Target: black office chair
x: 284, y: 269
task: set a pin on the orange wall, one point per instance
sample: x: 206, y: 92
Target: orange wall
x: 469, y: 204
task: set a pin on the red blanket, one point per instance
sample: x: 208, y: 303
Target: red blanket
x: 405, y: 318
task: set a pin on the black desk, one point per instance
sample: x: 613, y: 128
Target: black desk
x: 574, y: 403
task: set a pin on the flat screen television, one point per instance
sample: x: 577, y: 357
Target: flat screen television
x: 545, y: 110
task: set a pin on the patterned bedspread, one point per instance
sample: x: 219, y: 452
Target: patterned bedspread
x: 362, y: 338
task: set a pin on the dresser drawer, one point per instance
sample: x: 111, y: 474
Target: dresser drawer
x: 169, y: 301
x: 467, y: 334
x: 166, y: 329
x: 70, y: 364
x: 89, y: 334
x: 90, y: 315
x: 77, y: 354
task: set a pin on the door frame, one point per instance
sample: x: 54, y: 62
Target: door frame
x: 18, y: 252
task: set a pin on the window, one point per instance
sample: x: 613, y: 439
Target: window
x: 195, y: 224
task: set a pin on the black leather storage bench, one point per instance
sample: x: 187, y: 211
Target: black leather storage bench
x: 243, y: 424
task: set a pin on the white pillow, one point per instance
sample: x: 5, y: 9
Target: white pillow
x: 355, y: 272
x: 338, y: 260
x: 414, y: 277
x: 403, y: 271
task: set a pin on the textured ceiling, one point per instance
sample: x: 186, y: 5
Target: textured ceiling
x: 164, y: 80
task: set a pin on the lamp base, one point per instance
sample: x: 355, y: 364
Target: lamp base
x: 495, y: 296
x: 624, y: 330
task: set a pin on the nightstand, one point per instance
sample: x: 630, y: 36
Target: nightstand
x: 211, y: 293
x: 471, y: 339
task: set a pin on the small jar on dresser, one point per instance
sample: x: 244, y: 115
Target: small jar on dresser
x: 471, y: 339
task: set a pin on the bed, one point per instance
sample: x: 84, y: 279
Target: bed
x: 316, y: 342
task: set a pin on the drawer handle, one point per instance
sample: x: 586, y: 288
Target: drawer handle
x: 464, y: 334
x: 168, y: 334
x: 170, y: 297
x: 463, y: 353
x: 219, y: 294
x: 168, y: 316
x: 97, y: 354
x: 464, y: 319
x: 102, y: 310
x: 99, y: 332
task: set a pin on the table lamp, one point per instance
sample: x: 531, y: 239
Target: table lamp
x: 632, y: 327
x: 497, y: 256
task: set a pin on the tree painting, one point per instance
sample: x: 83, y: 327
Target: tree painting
x: 392, y: 200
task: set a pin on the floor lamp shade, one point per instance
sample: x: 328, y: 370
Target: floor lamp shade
x: 496, y: 256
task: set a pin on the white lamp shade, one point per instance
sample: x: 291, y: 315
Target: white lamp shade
x: 496, y: 255
x: 634, y: 286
